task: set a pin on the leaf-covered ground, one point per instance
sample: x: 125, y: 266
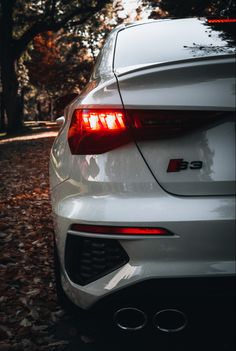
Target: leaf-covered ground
x: 30, y: 318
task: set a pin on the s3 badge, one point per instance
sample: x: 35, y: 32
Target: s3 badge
x: 179, y: 164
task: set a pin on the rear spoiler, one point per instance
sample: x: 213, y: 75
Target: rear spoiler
x: 119, y: 72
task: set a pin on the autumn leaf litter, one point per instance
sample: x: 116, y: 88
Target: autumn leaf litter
x: 29, y: 312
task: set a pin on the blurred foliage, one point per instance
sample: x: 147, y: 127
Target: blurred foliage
x: 188, y: 8
x: 65, y: 37
x: 57, y: 63
x: 26, y: 29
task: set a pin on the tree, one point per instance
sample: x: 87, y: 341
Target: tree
x: 187, y: 8
x: 20, y: 22
x: 59, y: 64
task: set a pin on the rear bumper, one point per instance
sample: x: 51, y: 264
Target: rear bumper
x: 176, y: 259
x: 203, y: 245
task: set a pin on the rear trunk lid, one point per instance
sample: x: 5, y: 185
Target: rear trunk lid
x: 183, y: 118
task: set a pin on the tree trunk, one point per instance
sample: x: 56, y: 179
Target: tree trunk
x: 2, y: 114
x: 8, y: 61
x: 10, y: 98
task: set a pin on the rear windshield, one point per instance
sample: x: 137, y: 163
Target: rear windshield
x: 172, y: 40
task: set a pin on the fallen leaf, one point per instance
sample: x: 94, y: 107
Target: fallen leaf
x: 25, y: 323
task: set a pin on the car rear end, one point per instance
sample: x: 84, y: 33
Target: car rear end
x: 142, y: 178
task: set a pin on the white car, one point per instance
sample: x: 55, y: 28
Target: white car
x: 142, y: 178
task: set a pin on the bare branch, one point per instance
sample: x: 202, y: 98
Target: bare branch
x: 84, y: 12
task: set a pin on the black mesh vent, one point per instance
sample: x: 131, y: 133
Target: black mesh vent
x: 87, y: 259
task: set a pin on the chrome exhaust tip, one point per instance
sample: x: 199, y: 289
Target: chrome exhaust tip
x: 130, y: 319
x: 170, y: 320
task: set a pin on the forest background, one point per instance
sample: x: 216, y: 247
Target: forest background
x: 48, y: 47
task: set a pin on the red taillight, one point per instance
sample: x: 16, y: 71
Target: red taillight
x: 96, y: 131
x: 101, y: 121
x: 161, y: 124
x: 221, y: 20
x: 113, y: 230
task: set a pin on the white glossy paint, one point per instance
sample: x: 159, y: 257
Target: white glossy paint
x: 117, y: 187
x: 217, y: 176
x: 95, y: 94
x: 205, y: 84
x: 204, y: 244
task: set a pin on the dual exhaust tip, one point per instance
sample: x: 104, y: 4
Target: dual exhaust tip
x: 134, y: 319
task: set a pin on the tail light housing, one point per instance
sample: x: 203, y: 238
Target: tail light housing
x: 162, y: 124
x: 96, y: 131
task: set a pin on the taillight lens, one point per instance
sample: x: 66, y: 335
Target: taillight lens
x: 96, y: 131
x: 221, y: 20
x: 114, y: 230
x: 161, y: 124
